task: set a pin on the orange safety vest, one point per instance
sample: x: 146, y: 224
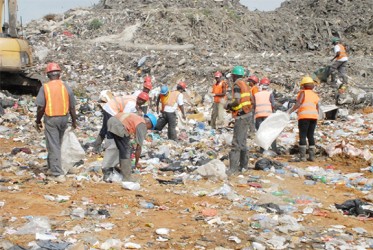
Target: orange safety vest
x: 254, y: 90
x: 118, y: 103
x: 170, y: 99
x: 342, y: 52
x: 130, y: 121
x: 263, y: 106
x: 245, y: 101
x: 218, y: 88
x: 56, y: 98
x: 307, y: 109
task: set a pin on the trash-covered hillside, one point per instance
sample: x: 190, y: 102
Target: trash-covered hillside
x: 183, y: 198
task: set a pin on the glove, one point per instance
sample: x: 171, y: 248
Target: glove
x: 38, y: 126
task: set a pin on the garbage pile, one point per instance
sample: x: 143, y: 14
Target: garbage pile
x: 184, y: 199
x: 116, y: 44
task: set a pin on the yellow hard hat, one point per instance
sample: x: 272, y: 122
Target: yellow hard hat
x: 306, y: 79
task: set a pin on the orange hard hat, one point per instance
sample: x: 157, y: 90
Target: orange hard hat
x: 265, y: 81
x: 148, y: 85
x: 253, y: 78
x: 183, y: 85
x: 218, y: 74
x: 148, y: 79
x: 52, y: 67
x: 143, y: 96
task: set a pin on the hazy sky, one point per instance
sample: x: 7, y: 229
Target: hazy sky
x: 36, y: 9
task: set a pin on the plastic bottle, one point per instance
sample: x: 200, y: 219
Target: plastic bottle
x: 145, y: 204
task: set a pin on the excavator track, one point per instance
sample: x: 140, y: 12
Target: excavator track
x: 20, y: 84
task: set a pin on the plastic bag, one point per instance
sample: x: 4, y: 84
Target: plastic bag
x: 271, y: 128
x: 71, y: 151
x: 38, y: 224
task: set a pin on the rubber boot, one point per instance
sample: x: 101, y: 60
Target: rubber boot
x: 97, y: 144
x: 302, y: 152
x: 126, y: 170
x: 107, y: 172
x: 234, y: 164
x: 311, y: 153
x: 244, y: 160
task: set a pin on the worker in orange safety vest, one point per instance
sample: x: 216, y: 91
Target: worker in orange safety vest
x: 307, y: 104
x: 241, y: 112
x: 126, y: 104
x: 171, y: 101
x: 219, y: 91
x: 264, y: 105
x: 339, y: 60
x: 55, y: 101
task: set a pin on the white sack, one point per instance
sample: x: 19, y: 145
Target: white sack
x: 213, y: 169
x: 71, y: 151
x: 271, y: 128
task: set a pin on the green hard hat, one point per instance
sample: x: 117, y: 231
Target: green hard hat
x: 238, y: 70
x: 335, y: 39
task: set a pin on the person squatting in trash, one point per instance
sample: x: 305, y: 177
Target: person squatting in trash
x: 241, y: 112
x: 122, y: 127
x: 126, y: 104
x: 55, y: 100
x: 170, y: 101
x: 307, y: 104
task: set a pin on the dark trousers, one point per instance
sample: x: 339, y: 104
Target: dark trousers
x: 259, y: 121
x: 238, y: 158
x: 103, y: 131
x: 171, y: 120
x: 123, y: 145
x: 306, y: 131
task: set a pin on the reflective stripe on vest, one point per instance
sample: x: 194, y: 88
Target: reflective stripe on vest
x: 118, y: 103
x: 307, y: 109
x: 56, y: 98
x: 245, y: 101
x: 218, y: 89
x: 130, y: 121
x: 263, y: 106
x: 171, y: 98
x: 342, y: 52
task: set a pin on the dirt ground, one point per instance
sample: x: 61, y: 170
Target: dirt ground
x: 177, y: 207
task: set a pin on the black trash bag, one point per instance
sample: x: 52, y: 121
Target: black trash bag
x: 272, y: 208
x: 354, y: 207
x: 174, y: 166
x: 265, y: 164
x: 174, y: 181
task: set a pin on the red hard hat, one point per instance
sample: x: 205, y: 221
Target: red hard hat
x: 265, y: 81
x: 143, y: 96
x: 52, y: 67
x: 147, y: 79
x: 218, y: 74
x: 254, y: 79
x: 148, y: 85
x: 183, y: 85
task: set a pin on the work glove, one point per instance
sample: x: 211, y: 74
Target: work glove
x: 38, y: 126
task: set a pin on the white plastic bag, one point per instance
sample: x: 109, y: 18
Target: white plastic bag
x: 271, y: 128
x: 71, y: 151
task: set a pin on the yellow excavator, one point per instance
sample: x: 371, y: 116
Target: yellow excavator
x: 15, y: 55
